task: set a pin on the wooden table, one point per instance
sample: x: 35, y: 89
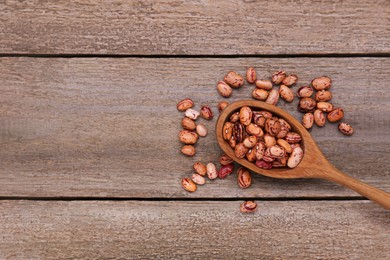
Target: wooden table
x: 90, y: 162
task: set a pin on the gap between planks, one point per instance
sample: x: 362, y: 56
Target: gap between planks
x: 334, y: 198
x: 184, y: 56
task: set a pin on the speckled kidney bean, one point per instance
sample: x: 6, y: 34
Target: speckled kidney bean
x: 221, y: 105
x: 235, y: 117
x: 245, y: 115
x: 286, y: 146
x: 227, y: 130
x: 198, y: 179
x: 308, y: 120
x: 319, y: 118
x: 232, y: 142
x: 250, y: 141
x: 335, y: 115
x: 260, y: 94
x: 234, y: 79
x: 251, y: 75
x: 244, y: 178
x: 321, y: 83
x: 272, y: 126
x: 286, y: 93
x: 200, y: 168
x: 278, y: 77
x: 290, y: 80
x: 188, y: 150
x: 211, y: 171
x: 206, y: 113
x: 346, y: 129
x: 192, y: 114
x: 251, y: 154
x: 224, y: 89
x: 295, y: 157
x: 248, y: 206
x: 267, y: 156
x: 188, y: 137
x: 273, y: 97
x: 225, y: 159
x: 307, y: 105
x: 239, y: 132
x: 264, y: 84
x: 201, y: 130
x: 269, y: 140
x: 276, y: 151
x: 305, y: 91
x: 284, y: 128
x: 323, y: 95
x: 263, y: 164
x: 324, y: 106
x: 254, y: 129
x: 185, y: 104
x: 259, y: 150
x: 188, y: 185
x: 293, y: 137
x: 240, y: 150
x: 225, y: 170
x: 188, y: 124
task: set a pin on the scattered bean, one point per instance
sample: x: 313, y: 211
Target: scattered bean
x: 273, y: 97
x: 305, y: 91
x: 200, y: 168
x: 225, y: 159
x: 224, y: 89
x: 198, y: 179
x: 188, y: 185
x: 346, y: 129
x: 206, y: 113
x: 211, y: 171
x: 324, y: 106
x: 335, y: 115
x: 260, y: 94
x: 225, y: 170
x: 251, y: 75
x: 323, y: 95
x: 201, y: 130
x: 234, y: 79
x: 286, y: 93
x: 278, y: 77
x: 264, y: 84
x: 192, y: 114
x: 319, y: 118
x: 290, y: 80
x: 307, y: 105
x: 248, y: 206
x: 188, y: 124
x: 244, y: 178
x: 188, y: 150
x: 321, y: 83
x: 185, y: 104
x: 308, y: 120
x: 188, y: 137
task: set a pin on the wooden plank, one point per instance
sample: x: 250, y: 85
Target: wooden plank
x: 106, y: 127
x: 193, y: 230
x: 194, y: 27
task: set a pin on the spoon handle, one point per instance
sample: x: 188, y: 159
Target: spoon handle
x: 379, y: 196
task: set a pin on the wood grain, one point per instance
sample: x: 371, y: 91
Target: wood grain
x: 193, y: 230
x: 101, y: 127
x: 194, y: 27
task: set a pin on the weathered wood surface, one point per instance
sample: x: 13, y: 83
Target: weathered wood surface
x: 194, y: 27
x: 101, y: 127
x: 193, y: 230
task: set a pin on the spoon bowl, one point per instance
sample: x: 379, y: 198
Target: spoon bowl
x: 314, y: 163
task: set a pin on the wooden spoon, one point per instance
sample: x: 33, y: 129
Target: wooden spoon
x: 313, y: 164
